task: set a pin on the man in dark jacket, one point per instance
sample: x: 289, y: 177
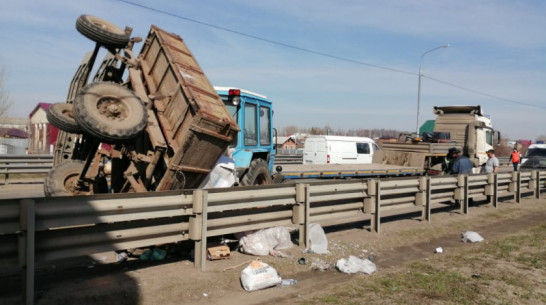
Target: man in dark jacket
x: 461, y: 164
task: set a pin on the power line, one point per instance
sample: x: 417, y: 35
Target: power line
x: 321, y: 53
x: 482, y: 93
x: 268, y: 40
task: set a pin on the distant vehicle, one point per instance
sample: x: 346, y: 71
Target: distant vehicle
x: 535, y: 157
x: 323, y: 149
x: 464, y: 127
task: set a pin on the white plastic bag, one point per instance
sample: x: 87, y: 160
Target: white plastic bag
x: 472, y: 237
x: 319, y: 242
x: 355, y: 264
x: 259, y: 275
x: 265, y: 241
x: 221, y: 175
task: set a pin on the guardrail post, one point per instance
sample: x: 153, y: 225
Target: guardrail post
x: 538, y: 185
x: 301, y: 213
x: 515, y: 186
x: 426, y: 207
x: 372, y: 204
x: 6, y: 176
x: 461, y: 193
x: 495, y: 190
x: 421, y: 197
x: 198, y: 228
x: 491, y: 189
x: 26, y: 247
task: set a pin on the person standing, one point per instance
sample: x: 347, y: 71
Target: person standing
x: 492, y: 164
x: 515, y: 158
x: 461, y: 164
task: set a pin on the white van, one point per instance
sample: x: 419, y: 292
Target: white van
x: 338, y: 150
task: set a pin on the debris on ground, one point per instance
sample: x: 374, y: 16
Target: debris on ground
x: 318, y: 240
x: 265, y: 241
x: 320, y: 265
x: 219, y: 252
x: 259, y: 275
x: 289, y: 282
x: 155, y: 254
x: 439, y: 250
x: 471, y: 236
x: 354, y: 264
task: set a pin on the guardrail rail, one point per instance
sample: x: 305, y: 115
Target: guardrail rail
x: 43, y: 229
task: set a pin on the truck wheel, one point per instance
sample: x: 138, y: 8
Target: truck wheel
x: 62, y: 180
x: 110, y: 112
x: 102, y: 31
x: 61, y: 116
x: 257, y: 174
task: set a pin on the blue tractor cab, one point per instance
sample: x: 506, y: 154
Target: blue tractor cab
x: 253, y: 148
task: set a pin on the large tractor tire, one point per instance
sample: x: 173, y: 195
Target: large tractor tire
x: 61, y: 116
x: 257, y: 174
x: 102, y: 31
x: 109, y: 112
x: 63, y: 180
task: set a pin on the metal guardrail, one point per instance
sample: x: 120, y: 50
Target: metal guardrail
x: 42, y: 229
x: 24, y: 165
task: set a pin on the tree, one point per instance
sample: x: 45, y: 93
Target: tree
x: 541, y: 138
x: 5, y: 104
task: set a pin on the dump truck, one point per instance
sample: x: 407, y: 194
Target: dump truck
x: 464, y: 127
x: 161, y: 128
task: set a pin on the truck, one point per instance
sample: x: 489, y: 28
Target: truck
x: 464, y: 127
x: 161, y: 128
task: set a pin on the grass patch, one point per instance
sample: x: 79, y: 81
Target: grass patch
x: 505, y: 271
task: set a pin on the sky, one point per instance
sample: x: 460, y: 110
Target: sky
x: 344, y: 64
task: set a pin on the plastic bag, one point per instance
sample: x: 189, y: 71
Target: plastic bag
x: 472, y: 237
x: 265, y: 241
x: 221, y: 175
x: 319, y: 242
x: 259, y: 275
x: 355, y: 264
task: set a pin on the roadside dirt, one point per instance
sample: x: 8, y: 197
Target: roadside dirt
x: 175, y: 281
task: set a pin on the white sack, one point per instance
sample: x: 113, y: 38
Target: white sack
x: 472, y: 237
x: 262, y: 242
x: 259, y: 275
x: 355, y: 264
x: 222, y: 174
x: 319, y: 242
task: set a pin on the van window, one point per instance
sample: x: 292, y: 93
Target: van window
x: 362, y: 148
x: 375, y: 147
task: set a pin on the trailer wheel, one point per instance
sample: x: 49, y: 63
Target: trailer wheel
x: 63, y: 179
x: 110, y: 112
x: 102, y: 31
x: 257, y: 174
x: 61, y: 116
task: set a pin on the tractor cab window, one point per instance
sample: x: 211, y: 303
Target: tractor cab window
x: 250, y: 128
x: 232, y: 109
x: 265, y: 126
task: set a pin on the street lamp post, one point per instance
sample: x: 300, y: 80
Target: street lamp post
x: 419, y: 83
